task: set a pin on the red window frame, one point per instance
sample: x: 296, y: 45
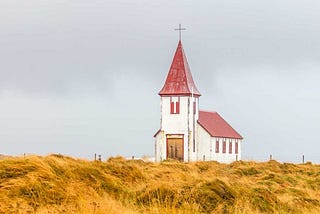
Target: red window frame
x: 224, y: 147
x: 174, y: 106
x: 171, y: 107
x: 230, y: 147
x: 217, y: 146
x: 178, y: 107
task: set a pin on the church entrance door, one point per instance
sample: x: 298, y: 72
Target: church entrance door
x: 175, y: 148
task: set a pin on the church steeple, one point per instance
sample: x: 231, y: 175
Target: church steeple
x: 179, y: 80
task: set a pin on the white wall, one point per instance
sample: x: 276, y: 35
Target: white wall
x: 204, y: 144
x: 183, y: 123
x: 177, y: 122
x: 159, y: 150
x: 207, y: 147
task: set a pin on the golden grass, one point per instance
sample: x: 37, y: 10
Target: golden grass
x: 60, y: 184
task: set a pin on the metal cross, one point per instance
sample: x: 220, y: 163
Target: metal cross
x: 180, y: 29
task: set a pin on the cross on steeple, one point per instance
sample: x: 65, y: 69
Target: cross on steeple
x: 180, y: 29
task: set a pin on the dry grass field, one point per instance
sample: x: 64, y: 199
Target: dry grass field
x: 60, y: 184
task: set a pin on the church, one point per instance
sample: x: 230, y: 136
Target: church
x: 187, y: 133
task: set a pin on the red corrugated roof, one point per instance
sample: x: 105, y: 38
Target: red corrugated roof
x: 179, y: 80
x: 216, y: 126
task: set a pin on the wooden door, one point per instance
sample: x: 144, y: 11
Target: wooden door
x: 175, y: 148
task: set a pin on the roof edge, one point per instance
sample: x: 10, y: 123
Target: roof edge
x: 209, y: 111
x: 240, y: 138
x: 157, y: 133
x: 178, y: 94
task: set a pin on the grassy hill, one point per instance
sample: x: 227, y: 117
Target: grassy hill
x: 59, y: 184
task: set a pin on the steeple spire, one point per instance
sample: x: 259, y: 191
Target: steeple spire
x: 179, y: 80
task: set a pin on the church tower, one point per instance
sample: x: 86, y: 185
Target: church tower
x: 179, y: 106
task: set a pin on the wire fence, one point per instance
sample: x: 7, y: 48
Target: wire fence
x: 296, y: 159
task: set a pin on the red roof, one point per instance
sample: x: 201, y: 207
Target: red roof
x: 179, y: 80
x: 216, y: 126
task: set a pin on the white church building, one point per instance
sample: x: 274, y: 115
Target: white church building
x: 187, y: 133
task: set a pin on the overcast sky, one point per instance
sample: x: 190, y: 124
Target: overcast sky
x: 80, y: 77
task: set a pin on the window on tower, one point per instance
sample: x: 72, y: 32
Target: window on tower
x: 174, y: 106
x: 230, y: 146
x: 178, y: 107
x: 171, y: 107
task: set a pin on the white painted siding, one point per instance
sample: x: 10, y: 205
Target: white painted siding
x: 225, y: 157
x: 159, y: 147
x: 204, y: 144
x: 185, y: 123
x: 177, y: 122
x: 207, y: 148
